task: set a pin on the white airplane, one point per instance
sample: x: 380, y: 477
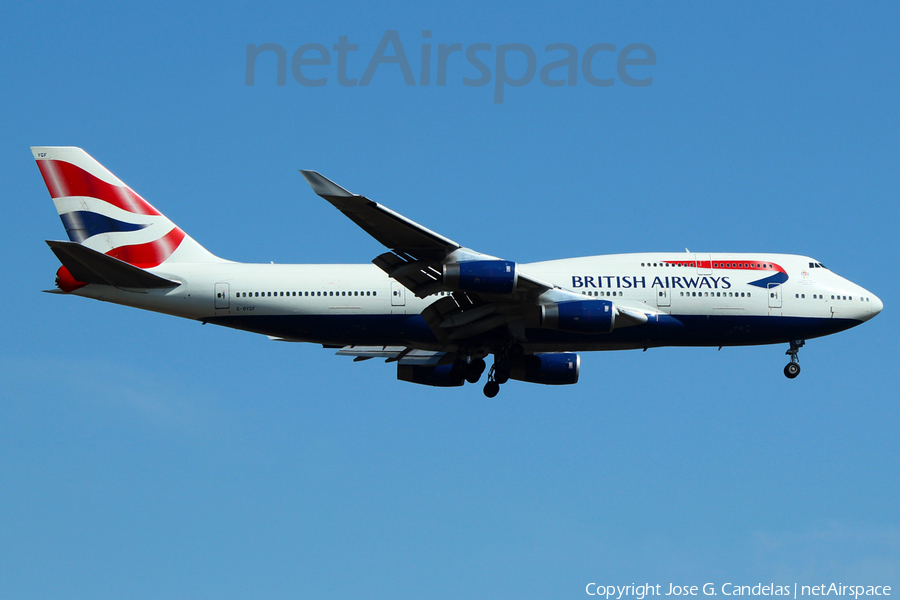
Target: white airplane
x: 434, y: 307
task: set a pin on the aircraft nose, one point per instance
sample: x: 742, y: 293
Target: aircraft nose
x: 877, y: 305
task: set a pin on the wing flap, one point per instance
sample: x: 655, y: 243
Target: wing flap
x: 400, y: 354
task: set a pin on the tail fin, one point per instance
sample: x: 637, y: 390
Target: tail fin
x: 102, y: 213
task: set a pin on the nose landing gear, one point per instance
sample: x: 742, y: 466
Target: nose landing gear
x: 792, y: 369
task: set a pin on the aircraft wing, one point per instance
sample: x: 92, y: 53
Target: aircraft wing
x: 391, y: 229
x: 417, y: 260
x: 417, y: 253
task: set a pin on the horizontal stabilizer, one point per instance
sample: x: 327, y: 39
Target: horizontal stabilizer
x: 90, y: 266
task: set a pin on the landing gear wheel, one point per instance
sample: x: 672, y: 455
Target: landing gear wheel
x: 791, y: 370
x: 491, y: 389
x: 475, y: 369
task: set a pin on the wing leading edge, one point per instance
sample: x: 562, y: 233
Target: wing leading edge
x: 419, y: 259
x: 417, y: 253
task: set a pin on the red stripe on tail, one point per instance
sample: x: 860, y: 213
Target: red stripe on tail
x: 151, y: 254
x: 65, y: 179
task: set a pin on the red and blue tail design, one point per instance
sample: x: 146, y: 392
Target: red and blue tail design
x: 102, y: 213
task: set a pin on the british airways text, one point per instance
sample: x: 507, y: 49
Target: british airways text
x: 626, y: 282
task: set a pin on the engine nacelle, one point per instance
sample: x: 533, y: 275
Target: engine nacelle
x: 580, y: 316
x: 482, y: 276
x: 549, y: 369
x: 435, y: 375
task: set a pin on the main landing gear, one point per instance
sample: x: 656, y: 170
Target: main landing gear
x: 792, y: 369
x: 500, y: 370
x: 469, y: 369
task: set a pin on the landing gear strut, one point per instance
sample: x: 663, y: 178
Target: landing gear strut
x: 792, y: 369
x: 491, y: 388
x: 500, y: 370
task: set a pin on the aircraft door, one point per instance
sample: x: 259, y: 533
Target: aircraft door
x: 398, y: 294
x: 704, y: 264
x: 221, y: 295
x: 774, y: 295
x: 663, y: 297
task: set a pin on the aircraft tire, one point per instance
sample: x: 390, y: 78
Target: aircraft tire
x: 476, y: 368
x: 491, y: 389
x: 791, y: 370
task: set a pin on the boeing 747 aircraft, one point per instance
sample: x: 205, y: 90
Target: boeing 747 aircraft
x: 432, y: 306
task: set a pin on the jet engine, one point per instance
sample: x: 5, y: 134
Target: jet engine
x: 579, y: 316
x: 550, y: 369
x: 482, y: 276
x: 434, y: 375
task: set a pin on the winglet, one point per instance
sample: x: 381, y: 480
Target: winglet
x: 323, y: 186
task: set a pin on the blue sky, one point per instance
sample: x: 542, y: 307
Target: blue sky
x: 149, y: 457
